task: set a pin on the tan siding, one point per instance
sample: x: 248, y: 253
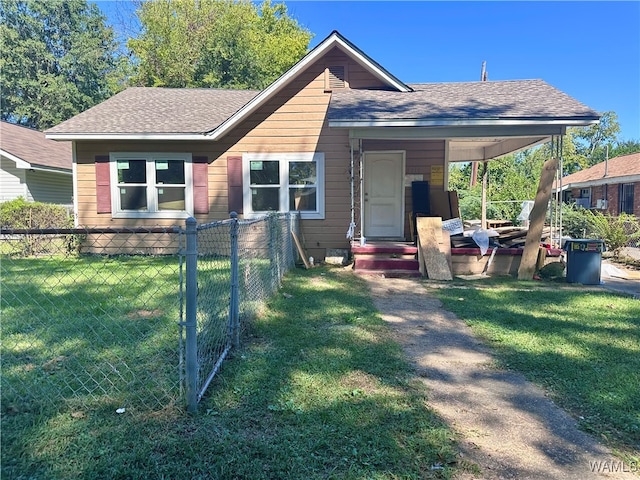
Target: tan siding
x: 292, y: 121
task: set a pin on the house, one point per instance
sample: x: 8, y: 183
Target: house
x: 34, y: 167
x: 337, y: 137
x: 612, y: 186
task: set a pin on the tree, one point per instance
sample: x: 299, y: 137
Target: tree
x: 215, y: 43
x: 57, y: 59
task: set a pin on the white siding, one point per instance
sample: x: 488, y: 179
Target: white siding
x: 50, y: 187
x: 34, y: 185
x: 12, y: 181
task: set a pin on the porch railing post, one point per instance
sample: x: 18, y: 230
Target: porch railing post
x: 191, y: 281
x: 234, y: 304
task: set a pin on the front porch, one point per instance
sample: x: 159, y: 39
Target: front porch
x: 400, y: 259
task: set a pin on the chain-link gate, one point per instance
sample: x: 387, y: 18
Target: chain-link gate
x: 232, y: 267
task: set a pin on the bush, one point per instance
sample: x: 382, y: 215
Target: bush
x: 616, y: 232
x: 20, y: 214
x: 575, y: 220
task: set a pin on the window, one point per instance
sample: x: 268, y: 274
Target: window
x: 626, y: 198
x: 151, y: 185
x: 284, y: 182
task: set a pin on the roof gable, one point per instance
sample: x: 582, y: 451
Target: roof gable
x: 29, y: 148
x: 335, y: 39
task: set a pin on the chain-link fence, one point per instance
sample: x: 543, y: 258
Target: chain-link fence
x: 97, y: 318
x: 238, y: 265
x: 89, y: 318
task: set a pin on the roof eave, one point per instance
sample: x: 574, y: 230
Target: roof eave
x: 331, y: 41
x: 601, y: 181
x: 25, y: 165
x: 126, y: 136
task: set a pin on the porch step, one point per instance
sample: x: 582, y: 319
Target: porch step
x: 378, y: 263
x: 391, y: 259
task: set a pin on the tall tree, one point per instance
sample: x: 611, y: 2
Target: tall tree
x: 56, y: 60
x: 215, y: 43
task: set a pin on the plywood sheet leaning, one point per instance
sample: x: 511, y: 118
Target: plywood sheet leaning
x: 536, y: 220
x: 434, y: 260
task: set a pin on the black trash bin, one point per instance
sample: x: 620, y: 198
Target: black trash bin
x: 584, y: 260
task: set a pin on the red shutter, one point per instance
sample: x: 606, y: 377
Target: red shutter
x: 234, y: 181
x: 200, y: 185
x: 103, y: 184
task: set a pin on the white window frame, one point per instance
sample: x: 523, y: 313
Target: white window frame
x: 152, y: 198
x: 284, y: 159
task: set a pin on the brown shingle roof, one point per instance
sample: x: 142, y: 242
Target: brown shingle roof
x: 516, y: 99
x: 623, y: 166
x: 148, y: 110
x: 32, y: 147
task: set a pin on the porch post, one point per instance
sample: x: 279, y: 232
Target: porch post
x: 363, y: 240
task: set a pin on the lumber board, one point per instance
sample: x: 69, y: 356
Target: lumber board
x: 429, y: 238
x: 536, y: 220
x: 301, y: 252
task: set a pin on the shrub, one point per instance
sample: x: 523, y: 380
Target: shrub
x: 20, y: 214
x: 616, y: 232
x: 575, y: 220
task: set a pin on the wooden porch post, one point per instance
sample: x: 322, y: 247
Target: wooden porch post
x: 536, y: 220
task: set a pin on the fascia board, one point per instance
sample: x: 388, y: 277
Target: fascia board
x: 457, y: 123
x: 452, y: 132
x: 126, y: 136
x: 602, y: 181
x: 20, y: 163
x: 24, y: 165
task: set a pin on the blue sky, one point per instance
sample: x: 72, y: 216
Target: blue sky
x: 589, y: 50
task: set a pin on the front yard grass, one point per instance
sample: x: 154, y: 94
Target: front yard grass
x: 320, y: 390
x: 580, y: 344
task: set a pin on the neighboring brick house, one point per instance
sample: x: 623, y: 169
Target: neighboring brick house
x: 337, y: 137
x: 612, y: 186
x: 34, y: 167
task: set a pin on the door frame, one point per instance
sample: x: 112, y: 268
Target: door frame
x: 401, y: 192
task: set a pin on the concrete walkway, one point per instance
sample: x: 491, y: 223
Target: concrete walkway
x: 507, y: 426
x: 620, y: 279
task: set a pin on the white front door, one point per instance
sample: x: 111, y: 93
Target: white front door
x: 383, y: 194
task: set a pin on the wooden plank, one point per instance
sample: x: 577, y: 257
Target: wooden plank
x: 536, y: 220
x: 301, y: 251
x: 429, y: 238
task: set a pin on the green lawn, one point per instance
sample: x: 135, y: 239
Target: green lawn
x: 79, y: 331
x: 581, y: 344
x: 319, y: 391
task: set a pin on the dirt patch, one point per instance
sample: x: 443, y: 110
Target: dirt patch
x: 507, y: 426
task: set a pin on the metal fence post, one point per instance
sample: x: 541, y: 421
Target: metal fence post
x: 191, y: 314
x: 234, y: 304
